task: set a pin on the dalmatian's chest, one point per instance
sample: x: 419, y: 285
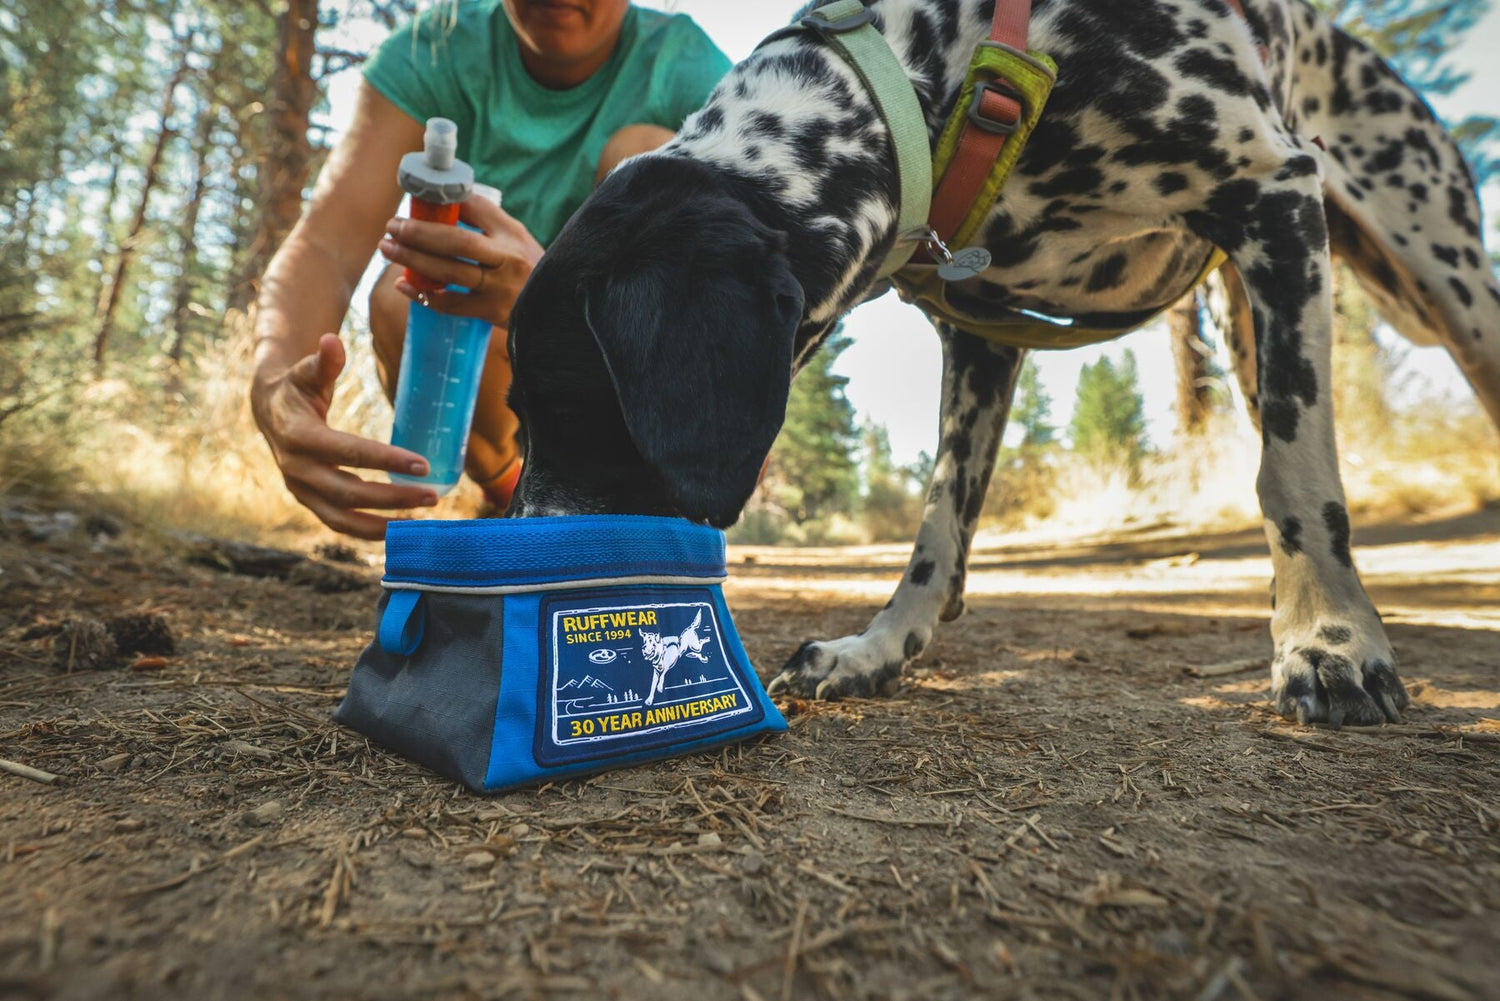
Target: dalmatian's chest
x: 1108, y: 267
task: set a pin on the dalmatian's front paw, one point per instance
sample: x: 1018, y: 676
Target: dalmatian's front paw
x: 853, y: 667
x: 1337, y: 674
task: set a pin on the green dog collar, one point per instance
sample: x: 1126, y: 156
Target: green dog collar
x: 845, y: 26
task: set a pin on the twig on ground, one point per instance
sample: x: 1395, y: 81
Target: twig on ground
x: 1316, y: 745
x: 898, y: 821
x: 823, y: 877
x: 51, y: 932
x: 1227, y: 667
x: 1031, y: 822
x: 27, y: 772
x: 195, y: 868
x: 791, y: 949
x: 1431, y: 732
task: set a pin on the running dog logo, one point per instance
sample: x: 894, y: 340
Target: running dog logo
x: 663, y: 652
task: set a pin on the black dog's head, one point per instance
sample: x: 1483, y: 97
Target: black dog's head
x: 652, y: 350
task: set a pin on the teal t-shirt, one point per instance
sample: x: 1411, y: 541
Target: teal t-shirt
x: 541, y: 147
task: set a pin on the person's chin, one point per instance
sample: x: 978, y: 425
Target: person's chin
x: 555, y: 19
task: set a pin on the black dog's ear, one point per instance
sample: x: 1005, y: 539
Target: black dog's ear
x: 699, y: 349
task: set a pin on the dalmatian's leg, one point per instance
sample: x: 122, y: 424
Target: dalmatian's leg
x: 1403, y: 212
x: 1332, y: 660
x: 1440, y: 293
x: 979, y: 379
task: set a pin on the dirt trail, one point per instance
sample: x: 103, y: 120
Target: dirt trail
x: 1048, y: 807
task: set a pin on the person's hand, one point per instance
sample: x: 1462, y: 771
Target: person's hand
x: 503, y: 248
x: 291, y: 409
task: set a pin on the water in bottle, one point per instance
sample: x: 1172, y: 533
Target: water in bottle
x: 443, y: 359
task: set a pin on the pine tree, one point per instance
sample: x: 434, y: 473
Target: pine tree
x: 1024, y: 477
x: 1031, y: 410
x: 812, y: 466
x: 287, y: 158
x: 1109, y: 420
x: 48, y: 51
x: 164, y: 135
x: 188, y: 263
x: 281, y: 142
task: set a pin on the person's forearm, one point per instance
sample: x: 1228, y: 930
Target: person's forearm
x: 308, y: 285
x: 304, y: 294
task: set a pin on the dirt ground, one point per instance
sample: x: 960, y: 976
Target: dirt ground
x: 1048, y: 807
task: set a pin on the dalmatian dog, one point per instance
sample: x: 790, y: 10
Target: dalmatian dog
x: 663, y: 653
x: 727, y: 257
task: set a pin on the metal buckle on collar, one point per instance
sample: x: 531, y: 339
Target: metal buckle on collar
x: 1001, y: 87
x: 928, y: 238
x: 817, y: 22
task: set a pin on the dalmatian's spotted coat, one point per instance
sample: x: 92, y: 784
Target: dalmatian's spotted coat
x: 654, y: 344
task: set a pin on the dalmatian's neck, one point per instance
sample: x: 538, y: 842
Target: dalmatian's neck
x: 819, y: 167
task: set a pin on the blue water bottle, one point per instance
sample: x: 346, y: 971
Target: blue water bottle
x: 443, y: 360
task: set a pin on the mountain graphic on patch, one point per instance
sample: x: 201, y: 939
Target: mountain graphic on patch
x: 587, y: 681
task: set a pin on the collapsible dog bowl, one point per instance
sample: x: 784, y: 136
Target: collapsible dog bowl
x: 515, y: 651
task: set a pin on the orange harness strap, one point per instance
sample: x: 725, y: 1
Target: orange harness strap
x: 996, y: 112
x: 993, y: 117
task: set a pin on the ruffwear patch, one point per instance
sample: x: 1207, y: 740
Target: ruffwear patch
x: 626, y: 671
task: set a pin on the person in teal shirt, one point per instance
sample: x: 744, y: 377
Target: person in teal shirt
x: 548, y: 95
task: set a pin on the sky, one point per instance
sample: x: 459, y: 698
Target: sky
x: 894, y: 365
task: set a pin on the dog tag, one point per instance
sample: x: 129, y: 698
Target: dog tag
x: 965, y: 264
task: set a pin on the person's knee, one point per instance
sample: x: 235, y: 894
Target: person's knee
x: 388, y: 309
x: 628, y: 142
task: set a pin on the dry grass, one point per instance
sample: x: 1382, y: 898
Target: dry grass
x: 196, y: 462
x: 193, y: 461
x: 1426, y: 463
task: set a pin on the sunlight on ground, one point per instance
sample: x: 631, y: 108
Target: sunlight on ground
x: 1254, y: 686
x: 984, y: 679
x: 1424, y: 692
x: 1211, y: 701
x: 1454, y: 584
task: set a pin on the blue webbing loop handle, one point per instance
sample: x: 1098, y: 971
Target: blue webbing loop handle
x: 402, y: 623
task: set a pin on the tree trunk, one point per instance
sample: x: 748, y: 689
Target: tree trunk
x: 148, y: 185
x: 188, y: 254
x: 24, y: 216
x: 244, y: 191
x: 285, y: 169
x: 17, y: 278
x: 107, y: 220
x: 1190, y: 352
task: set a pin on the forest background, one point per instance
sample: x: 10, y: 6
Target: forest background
x: 155, y: 152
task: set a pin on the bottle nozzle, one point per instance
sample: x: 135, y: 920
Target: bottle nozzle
x: 436, y: 174
x: 440, y: 143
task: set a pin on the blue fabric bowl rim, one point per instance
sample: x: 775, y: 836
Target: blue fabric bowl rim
x: 514, y: 552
